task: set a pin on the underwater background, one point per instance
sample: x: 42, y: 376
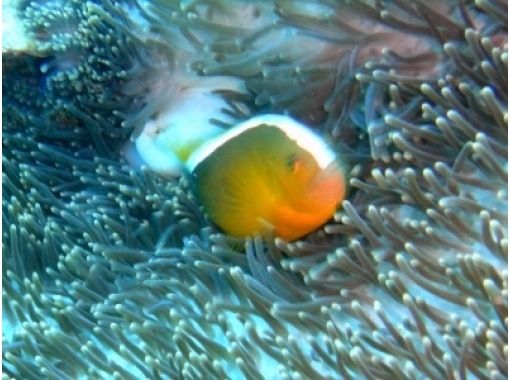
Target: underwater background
x: 111, y: 271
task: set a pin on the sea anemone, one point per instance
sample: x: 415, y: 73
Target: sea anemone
x: 111, y: 271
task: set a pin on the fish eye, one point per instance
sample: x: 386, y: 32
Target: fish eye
x: 291, y: 161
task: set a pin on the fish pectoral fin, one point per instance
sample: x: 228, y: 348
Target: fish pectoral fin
x: 266, y: 227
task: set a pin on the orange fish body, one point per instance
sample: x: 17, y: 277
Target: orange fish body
x: 259, y: 177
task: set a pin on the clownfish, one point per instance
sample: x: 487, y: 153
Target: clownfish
x: 184, y: 124
x: 268, y: 174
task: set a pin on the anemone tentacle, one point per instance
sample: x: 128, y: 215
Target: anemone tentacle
x: 115, y: 272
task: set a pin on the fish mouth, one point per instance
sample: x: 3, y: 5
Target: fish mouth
x: 328, y: 186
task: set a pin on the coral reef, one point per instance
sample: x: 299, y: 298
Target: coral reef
x: 112, y: 272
